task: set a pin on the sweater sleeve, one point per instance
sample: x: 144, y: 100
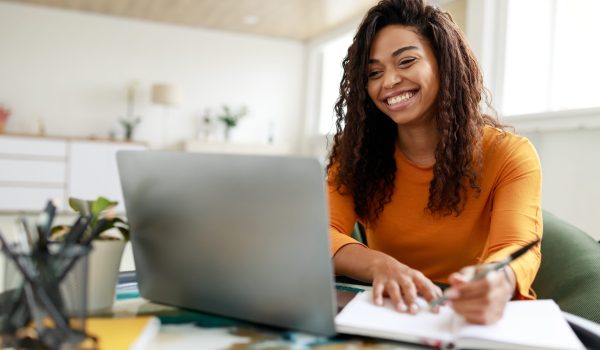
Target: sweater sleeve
x: 516, y: 217
x: 342, y: 218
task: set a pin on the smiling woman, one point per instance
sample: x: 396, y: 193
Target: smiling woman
x: 440, y: 188
x: 403, y: 75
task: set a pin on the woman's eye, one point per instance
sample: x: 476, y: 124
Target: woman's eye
x: 407, y: 62
x: 374, y: 74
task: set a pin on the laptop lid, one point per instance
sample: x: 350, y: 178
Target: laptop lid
x: 239, y: 236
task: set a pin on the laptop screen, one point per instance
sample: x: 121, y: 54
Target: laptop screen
x: 239, y: 236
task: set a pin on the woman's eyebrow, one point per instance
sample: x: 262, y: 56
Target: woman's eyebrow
x: 395, y: 53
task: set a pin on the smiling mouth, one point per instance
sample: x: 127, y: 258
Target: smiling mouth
x: 405, y: 96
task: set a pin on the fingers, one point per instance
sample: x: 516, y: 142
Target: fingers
x: 475, y: 289
x: 378, y: 289
x: 462, y: 277
x: 426, y: 288
x: 485, y: 310
x: 409, y: 292
x: 404, y: 292
x: 482, y: 301
x: 401, y: 284
x: 393, y: 290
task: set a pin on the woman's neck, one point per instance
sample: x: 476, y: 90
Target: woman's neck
x: 418, y: 143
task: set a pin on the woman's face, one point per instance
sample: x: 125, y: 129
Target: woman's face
x: 403, y: 77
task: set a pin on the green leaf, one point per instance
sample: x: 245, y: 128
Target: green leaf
x: 81, y: 206
x: 94, y: 209
x: 57, y: 233
x: 101, y: 204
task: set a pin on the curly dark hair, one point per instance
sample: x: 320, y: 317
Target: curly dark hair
x: 361, y: 162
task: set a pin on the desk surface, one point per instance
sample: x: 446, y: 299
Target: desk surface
x: 184, y: 329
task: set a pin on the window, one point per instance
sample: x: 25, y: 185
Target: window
x: 333, y: 53
x: 552, y: 56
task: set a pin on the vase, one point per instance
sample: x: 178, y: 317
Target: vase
x: 104, y: 263
x: 227, y: 133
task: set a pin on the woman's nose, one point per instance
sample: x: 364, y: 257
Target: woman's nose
x: 392, y: 79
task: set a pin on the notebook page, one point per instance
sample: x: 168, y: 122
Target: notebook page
x: 363, y: 317
x: 535, y: 323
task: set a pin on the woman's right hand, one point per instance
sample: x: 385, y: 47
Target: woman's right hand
x: 401, y: 284
x: 390, y: 277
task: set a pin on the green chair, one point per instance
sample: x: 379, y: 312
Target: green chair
x: 570, y: 269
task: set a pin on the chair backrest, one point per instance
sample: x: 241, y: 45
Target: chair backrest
x: 570, y: 269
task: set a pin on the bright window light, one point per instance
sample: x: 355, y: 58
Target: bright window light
x: 333, y: 54
x: 552, y: 56
x: 576, y: 70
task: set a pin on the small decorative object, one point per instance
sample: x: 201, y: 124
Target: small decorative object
x: 205, y: 127
x: 4, y: 114
x: 130, y: 121
x: 110, y: 234
x: 271, y: 134
x: 129, y: 125
x: 169, y: 96
x: 41, y: 127
x: 231, y: 119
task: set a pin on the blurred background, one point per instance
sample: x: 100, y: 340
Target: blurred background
x: 261, y: 76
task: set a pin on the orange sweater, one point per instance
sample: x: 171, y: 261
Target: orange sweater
x: 505, y: 216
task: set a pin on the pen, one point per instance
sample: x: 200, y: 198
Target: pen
x: 44, y: 223
x: 25, y: 228
x: 77, y: 230
x: 489, y: 268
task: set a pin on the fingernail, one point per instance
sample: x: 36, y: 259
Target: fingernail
x: 451, y: 293
x: 402, y: 307
x: 379, y: 301
x: 414, y: 308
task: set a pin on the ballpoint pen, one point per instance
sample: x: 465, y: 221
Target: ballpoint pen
x: 487, y: 268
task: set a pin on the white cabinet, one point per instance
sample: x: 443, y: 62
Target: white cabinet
x: 32, y: 170
x: 232, y: 148
x: 35, y: 169
x: 93, y: 170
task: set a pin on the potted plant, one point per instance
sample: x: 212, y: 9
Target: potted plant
x: 111, y: 233
x: 231, y: 119
x: 130, y: 121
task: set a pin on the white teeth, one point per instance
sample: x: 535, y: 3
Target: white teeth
x: 400, y: 98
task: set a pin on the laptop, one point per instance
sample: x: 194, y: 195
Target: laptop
x: 234, y: 235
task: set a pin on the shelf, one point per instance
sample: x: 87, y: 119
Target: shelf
x: 232, y: 148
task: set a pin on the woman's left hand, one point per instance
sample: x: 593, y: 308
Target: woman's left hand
x: 482, y: 301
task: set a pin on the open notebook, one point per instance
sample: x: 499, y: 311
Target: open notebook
x: 535, y: 324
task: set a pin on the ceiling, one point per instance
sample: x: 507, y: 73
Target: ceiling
x: 289, y: 19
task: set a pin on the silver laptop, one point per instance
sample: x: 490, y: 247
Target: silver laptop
x: 239, y: 236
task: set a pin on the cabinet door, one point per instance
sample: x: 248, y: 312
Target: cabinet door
x: 33, y: 173
x: 34, y: 147
x: 18, y: 198
x: 32, y: 170
x: 93, y: 170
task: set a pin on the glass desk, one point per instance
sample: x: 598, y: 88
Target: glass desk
x: 186, y: 329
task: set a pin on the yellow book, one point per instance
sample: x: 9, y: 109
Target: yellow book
x: 123, y: 333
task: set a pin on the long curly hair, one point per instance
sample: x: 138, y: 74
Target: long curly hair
x: 361, y: 162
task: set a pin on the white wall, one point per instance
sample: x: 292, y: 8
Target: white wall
x: 570, y: 174
x: 71, y: 69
